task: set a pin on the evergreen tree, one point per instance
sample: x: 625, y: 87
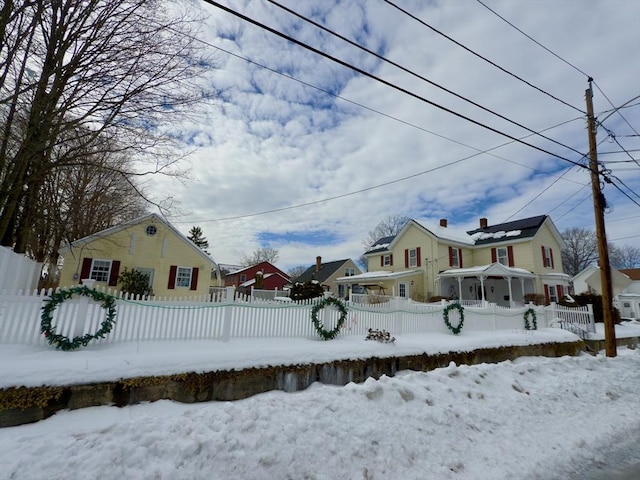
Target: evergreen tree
x: 195, y: 235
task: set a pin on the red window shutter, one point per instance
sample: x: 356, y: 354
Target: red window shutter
x: 450, y: 257
x: 86, y: 269
x: 544, y: 262
x: 173, y: 271
x: 560, y: 292
x: 115, y: 271
x: 419, y: 263
x: 494, y: 255
x: 510, y: 255
x: 546, y: 293
x: 551, y: 256
x: 406, y: 258
x: 194, y: 279
x: 382, y: 260
x: 391, y: 259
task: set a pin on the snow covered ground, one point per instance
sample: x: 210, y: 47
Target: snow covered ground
x: 533, y: 418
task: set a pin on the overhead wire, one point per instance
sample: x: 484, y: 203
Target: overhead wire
x: 482, y: 57
x: 385, y: 82
x: 414, y: 74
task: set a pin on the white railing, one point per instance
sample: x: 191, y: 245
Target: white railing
x: 201, y: 318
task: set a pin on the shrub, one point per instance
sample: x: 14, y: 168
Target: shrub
x: 134, y: 282
x: 596, y: 300
x: 535, y: 298
x: 306, y: 290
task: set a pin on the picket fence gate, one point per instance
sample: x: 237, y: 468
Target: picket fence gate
x: 226, y: 316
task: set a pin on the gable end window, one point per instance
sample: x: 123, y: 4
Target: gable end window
x: 547, y: 257
x: 100, y: 270
x: 349, y: 272
x: 412, y: 257
x: 183, y: 277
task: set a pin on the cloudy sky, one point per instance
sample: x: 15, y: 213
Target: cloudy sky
x: 306, y: 155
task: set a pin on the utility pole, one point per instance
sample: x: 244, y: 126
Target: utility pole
x: 603, y: 249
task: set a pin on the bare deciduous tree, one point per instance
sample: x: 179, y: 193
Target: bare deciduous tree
x: 263, y: 254
x: 626, y: 256
x: 580, y: 251
x: 387, y: 227
x: 80, y: 78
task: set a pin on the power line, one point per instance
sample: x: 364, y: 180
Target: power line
x: 480, y: 56
x: 617, y: 110
x: 385, y: 82
x: 391, y: 117
x: 411, y: 72
x: 533, y: 39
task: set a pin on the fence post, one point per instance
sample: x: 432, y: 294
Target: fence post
x: 228, y: 312
x: 591, y: 328
x: 494, y: 316
x: 83, y: 308
x: 398, y: 317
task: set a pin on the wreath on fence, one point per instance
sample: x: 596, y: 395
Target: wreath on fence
x: 530, y: 312
x: 331, y: 334
x: 458, y: 328
x: 64, y: 343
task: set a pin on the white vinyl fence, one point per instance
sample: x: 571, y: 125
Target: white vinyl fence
x: 18, y: 272
x: 222, y: 317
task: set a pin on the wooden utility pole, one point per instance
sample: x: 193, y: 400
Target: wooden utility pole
x: 603, y: 249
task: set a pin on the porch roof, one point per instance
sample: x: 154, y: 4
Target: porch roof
x: 493, y: 269
x: 379, y: 276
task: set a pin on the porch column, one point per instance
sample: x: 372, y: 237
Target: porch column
x: 522, y: 285
x: 459, y: 286
x: 511, y: 303
x: 481, y: 277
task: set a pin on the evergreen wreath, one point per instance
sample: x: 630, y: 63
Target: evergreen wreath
x: 527, y: 325
x: 458, y: 328
x: 328, y: 335
x: 64, y: 343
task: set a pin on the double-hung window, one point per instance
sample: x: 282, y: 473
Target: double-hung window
x: 386, y: 261
x: 183, y: 277
x: 503, y: 256
x: 413, y: 257
x: 100, y: 270
x: 349, y: 272
x: 455, y: 257
x: 547, y: 257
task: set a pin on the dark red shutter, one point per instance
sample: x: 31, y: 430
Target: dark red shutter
x: 391, y: 259
x: 460, y: 257
x: 194, y: 279
x: 115, y: 271
x: 86, y: 269
x: 551, y: 256
x: 382, y: 260
x: 544, y: 262
x: 560, y: 292
x: 419, y: 263
x: 450, y: 257
x: 172, y: 277
x: 406, y: 258
x: 494, y: 255
x: 510, y: 255
x: 546, y: 293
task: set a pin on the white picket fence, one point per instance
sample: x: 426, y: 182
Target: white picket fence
x: 18, y: 271
x: 225, y: 316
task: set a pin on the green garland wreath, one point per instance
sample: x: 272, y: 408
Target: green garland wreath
x: 527, y: 325
x: 457, y: 329
x: 64, y: 343
x: 328, y: 335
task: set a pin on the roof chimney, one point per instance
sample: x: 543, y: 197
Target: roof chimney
x: 318, y: 263
x: 443, y: 222
x: 483, y: 223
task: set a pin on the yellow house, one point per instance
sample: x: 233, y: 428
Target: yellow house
x: 150, y: 244
x: 499, y: 263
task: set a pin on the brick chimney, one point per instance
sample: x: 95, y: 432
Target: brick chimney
x: 483, y: 223
x: 443, y: 222
x: 318, y: 263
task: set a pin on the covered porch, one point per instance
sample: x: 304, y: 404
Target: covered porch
x: 494, y: 283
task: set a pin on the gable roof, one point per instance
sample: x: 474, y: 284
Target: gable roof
x: 326, y: 270
x: 265, y: 263
x: 123, y: 226
x: 632, y: 273
x: 252, y: 281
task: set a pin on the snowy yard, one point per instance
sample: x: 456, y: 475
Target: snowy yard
x: 533, y: 418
